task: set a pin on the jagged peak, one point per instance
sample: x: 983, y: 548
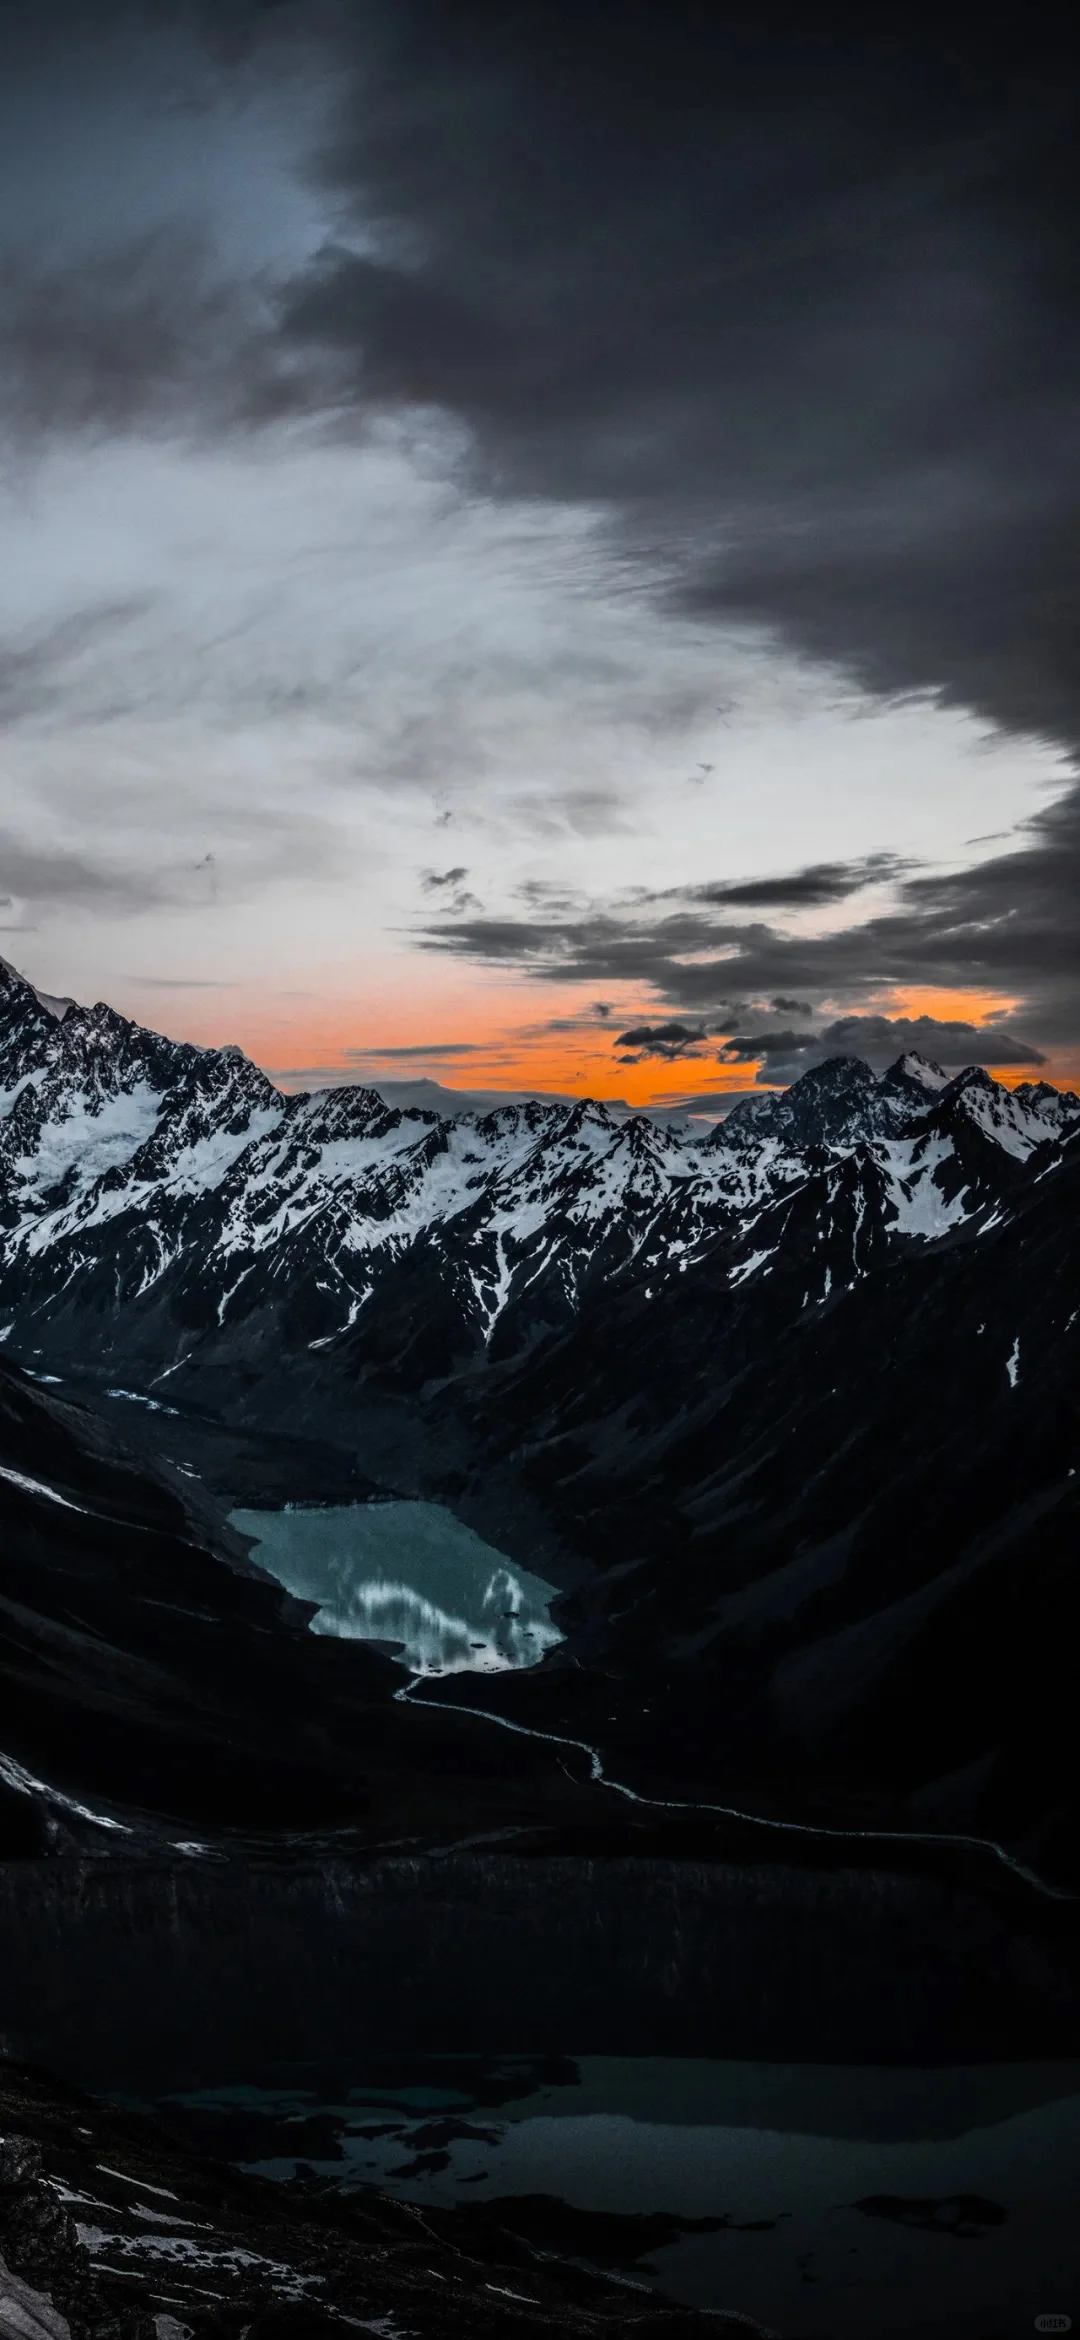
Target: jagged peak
x: 587, y: 1110
x: 837, y: 1074
x: 1044, y: 1093
x: 13, y: 982
x: 351, y: 1102
x: 914, y: 1066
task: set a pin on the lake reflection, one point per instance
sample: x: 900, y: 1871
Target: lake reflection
x: 830, y: 2202
x: 408, y: 1573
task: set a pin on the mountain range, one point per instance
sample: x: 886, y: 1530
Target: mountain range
x: 161, y: 1196
x: 796, y: 1396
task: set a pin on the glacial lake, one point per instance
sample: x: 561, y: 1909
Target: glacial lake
x: 408, y: 1573
x: 829, y: 2202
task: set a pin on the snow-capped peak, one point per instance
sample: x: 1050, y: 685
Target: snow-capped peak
x: 914, y: 1066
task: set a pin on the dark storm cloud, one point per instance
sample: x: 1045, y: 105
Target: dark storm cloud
x: 1009, y: 926
x: 824, y: 882
x: 52, y: 876
x: 149, y: 335
x: 745, y: 1048
x: 816, y: 281
x: 716, y: 1103
x: 874, y: 1037
x: 796, y: 300
x: 419, y: 1048
x: 879, y: 1041
x: 667, y: 1041
x: 229, y: 29
x: 793, y: 296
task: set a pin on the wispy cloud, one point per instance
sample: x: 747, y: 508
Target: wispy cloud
x: 417, y: 1049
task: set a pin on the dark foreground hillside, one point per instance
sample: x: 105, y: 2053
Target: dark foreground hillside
x: 153, y: 1685
x: 112, y: 2230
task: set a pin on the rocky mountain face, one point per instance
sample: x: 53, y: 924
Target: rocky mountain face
x: 801, y: 1390
x: 836, y: 1527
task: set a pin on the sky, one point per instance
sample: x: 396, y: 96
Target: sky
x: 539, y: 539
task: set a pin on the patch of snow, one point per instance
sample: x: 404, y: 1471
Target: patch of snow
x: 229, y: 2258
x: 143, y: 2184
x: 17, y: 1776
x: 8, y: 1096
x: 205, y: 1163
x: 919, y: 1068
x: 163, y: 2217
x: 89, y: 1142
x: 38, y: 1487
x: 748, y: 1267
x: 136, y: 1398
x: 921, y: 1209
x: 26, y: 2314
x: 71, y: 2194
x: 1012, y: 1363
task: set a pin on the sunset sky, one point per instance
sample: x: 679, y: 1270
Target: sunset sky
x: 539, y: 539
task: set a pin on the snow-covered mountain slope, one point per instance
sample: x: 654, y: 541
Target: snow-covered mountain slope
x: 153, y: 1194
x: 836, y: 1534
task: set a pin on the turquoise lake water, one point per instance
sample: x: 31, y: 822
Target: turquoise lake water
x: 409, y: 1573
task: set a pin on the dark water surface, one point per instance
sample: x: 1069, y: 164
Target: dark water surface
x: 823, y: 2200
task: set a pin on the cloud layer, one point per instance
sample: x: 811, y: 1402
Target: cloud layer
x: 800, y: 309
x: 529, y: 416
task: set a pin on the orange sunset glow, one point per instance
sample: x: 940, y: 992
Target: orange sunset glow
x: 506, y: 1037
